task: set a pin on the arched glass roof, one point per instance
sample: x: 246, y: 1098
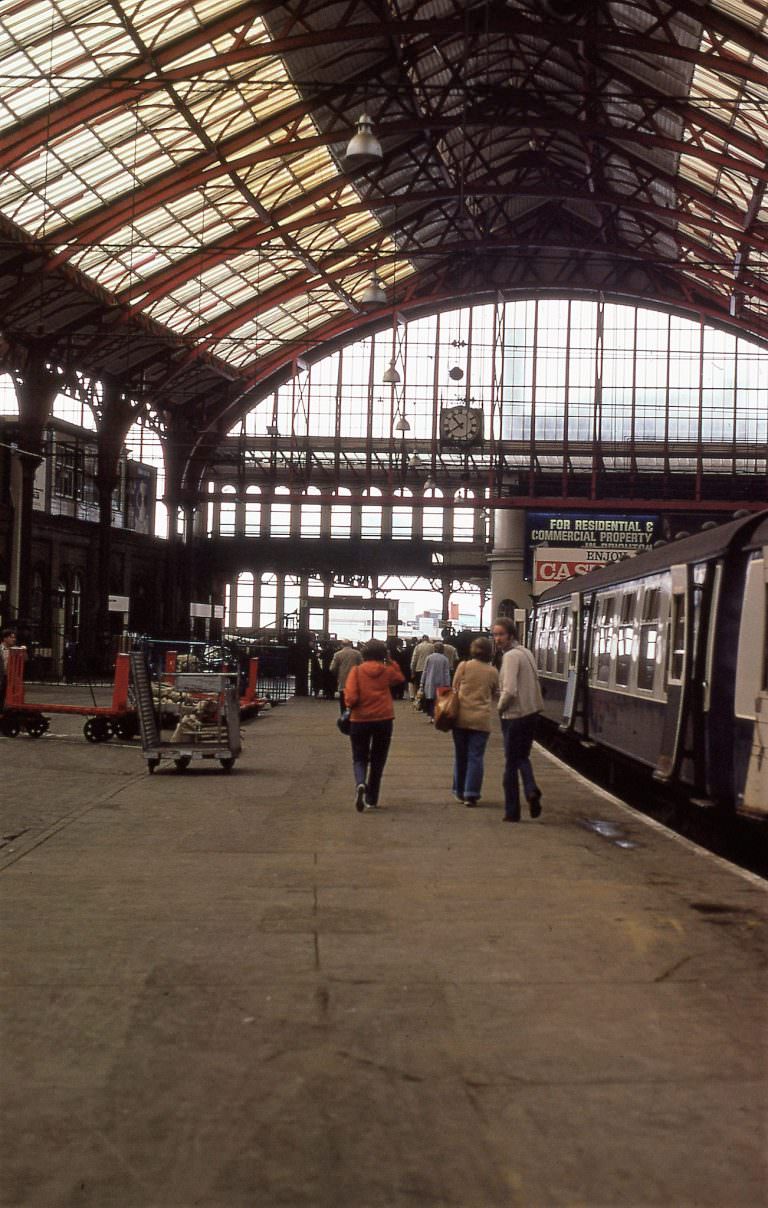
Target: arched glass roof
x: 564, y: 392
x: 176, y: 210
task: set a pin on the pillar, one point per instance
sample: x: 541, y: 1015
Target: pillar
x: 507, y: 562
x: 445, y: 591
x: 35, y: 393
x: 117, y: 415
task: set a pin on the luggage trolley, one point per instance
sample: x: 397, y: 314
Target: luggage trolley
x: 208, y: 725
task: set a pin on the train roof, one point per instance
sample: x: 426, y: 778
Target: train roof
x: 751, y: 530
x: 759, y: 537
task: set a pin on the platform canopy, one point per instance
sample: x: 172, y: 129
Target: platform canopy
x: 178, y: 214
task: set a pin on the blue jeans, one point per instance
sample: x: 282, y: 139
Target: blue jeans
x: 370, y: 747
x: 469, y: 749
x: 517, y: 733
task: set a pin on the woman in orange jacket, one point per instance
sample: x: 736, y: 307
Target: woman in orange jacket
x: 368, y: 696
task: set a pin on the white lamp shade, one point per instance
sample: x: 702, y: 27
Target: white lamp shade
x: 390, y: 376
x: 363, y: 147
x: 374, y: 293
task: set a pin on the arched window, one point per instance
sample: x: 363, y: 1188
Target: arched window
x: 310, y: 515
x: 341, y: 516
x: 370, y: 516
x: 252, y: 512
x: 280, y: 515
x: 244, y: 602
x: 227, y: 512
x: 268, y: 603
x: 463, y: 518
x: 432, y: 522
x: 402, y: 516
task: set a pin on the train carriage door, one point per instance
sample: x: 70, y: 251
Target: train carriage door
x: 751, y: 701
x: 678, y: 644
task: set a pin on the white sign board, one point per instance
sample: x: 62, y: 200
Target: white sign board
x: 200, y: 610
x: 118, y: 603
x: 552, y: 564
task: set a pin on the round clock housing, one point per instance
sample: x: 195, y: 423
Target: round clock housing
x: 461, y: 425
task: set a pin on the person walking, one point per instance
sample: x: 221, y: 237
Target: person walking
x: 477, y: 684
x: 436, y: 674
x: 368, y: 695
x: 519, y: 704
x: 345, y: 658
x: 421, y: 653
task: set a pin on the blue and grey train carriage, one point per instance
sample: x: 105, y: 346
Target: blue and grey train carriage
x: 662, y: 659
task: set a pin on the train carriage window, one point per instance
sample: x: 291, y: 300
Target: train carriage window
x: 649, y: 639
x: 602, y: 643
x: 552, y: 638
x: 624, y: 642
x: 677, y: 639
x: 542, y: 637
x: 564, y: 641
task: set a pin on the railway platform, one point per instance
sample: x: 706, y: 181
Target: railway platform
x: 237, y: 992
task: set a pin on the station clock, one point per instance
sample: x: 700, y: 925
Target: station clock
x: 461, y: 425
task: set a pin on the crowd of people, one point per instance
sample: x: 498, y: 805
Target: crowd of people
x: 493, y: 676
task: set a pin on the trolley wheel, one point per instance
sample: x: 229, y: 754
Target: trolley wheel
x: 98, y: 729
x: 227, y: 764
x: 37, y: 726
x: 151, y: 765
x: 126, y: 727
x: 9, y: 726
x: 182, y: 762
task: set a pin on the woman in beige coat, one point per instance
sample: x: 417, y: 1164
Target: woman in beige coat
x: 477, y: 685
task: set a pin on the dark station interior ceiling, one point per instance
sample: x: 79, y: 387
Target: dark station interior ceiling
x: 177, y: 214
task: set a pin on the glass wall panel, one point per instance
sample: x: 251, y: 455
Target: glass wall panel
x: 402, y: 517
x: 227, y: 512
x: 244, y: 606
x: 280, y: 515
x: 252, y: 512
x: 341, y: 517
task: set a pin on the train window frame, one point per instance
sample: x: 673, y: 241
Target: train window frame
x: 562, y: 653
x: 652, y: 618
x: 578, y: 614
x: 625, y: 633
x: 542, y: 631
x: 676, y: 661
x: 553, y: 635
x: 603, y: 634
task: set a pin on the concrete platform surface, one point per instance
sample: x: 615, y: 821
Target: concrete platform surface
x: 233, y: 991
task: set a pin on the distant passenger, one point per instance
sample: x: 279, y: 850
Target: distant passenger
x: 452, y: 654
x: 519, y: 705
x: 345, y: 658
x: 421, y: 653
x: 368, y: 694
x: 436, y: 674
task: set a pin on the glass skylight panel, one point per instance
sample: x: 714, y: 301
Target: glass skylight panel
x: 748, y: 12
x: 158, y: 21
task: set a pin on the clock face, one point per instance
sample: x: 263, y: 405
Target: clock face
x: 464, y: 425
